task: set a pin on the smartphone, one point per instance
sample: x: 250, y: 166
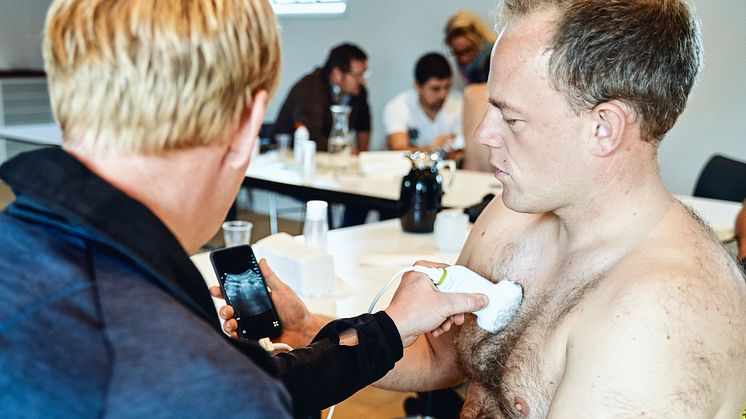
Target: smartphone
x: 244, y: 288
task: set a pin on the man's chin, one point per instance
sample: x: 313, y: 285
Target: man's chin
x: 436, y: 107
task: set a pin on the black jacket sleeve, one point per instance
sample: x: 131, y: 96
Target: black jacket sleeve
x: 361, y: 120
x: 325, y: 373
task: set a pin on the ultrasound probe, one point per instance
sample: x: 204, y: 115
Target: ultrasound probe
x: 505, y: 297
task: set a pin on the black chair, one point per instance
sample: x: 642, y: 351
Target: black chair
x: 722, y: 178
x: 266, y: 139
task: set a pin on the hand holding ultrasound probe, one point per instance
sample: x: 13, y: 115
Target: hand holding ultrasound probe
x: 416, y: 307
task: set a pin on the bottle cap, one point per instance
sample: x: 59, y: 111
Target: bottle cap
x: 316, y: 210
x: 301, y: 134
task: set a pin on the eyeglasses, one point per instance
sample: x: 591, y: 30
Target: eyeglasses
x: 464, y: 51
x: 361, y: 77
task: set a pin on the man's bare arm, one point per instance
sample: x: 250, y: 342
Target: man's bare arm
x: 398, y: 141
x: 363, y: 139
x: 430, y: 363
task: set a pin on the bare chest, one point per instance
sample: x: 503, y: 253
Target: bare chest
x: 515, y: 373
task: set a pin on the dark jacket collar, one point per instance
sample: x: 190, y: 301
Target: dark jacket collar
x: 76, y: 197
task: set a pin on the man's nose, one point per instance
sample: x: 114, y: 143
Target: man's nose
x: 487, y: 133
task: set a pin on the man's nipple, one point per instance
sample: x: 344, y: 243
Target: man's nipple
x: 521, y: 406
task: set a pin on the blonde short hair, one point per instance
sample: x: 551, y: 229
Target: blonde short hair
x: 465, y: 23
x: 149, y: 76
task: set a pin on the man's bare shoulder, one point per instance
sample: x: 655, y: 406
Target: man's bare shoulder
x: 495, y: 227
x: 692, y: 283
x: 670, y: 331
x: 694, y: 288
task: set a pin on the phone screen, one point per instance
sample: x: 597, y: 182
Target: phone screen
x: 244, y: 288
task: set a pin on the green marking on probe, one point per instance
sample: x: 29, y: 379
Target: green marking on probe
x: 442, y: 277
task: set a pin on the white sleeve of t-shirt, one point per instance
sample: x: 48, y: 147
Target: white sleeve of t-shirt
x: 395, y: 115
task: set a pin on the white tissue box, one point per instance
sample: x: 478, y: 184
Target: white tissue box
x: 307, y: 270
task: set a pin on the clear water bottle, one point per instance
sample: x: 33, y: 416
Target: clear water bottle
x: 340, y: 141
x: 316, y: 227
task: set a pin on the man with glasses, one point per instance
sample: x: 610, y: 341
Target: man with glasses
x: 341, y: 81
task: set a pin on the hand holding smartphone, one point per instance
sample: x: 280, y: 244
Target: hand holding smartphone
x: 244, y: 288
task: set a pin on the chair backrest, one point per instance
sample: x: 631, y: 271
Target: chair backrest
x: 722, y: 178
x: 476, y: 156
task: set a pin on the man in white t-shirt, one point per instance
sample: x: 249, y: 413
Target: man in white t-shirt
x: 427, y: 117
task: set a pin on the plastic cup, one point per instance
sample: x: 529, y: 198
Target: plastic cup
x: 451, y: 228
x: 236, y: 233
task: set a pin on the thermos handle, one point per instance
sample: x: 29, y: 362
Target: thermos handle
x: 451, y: 165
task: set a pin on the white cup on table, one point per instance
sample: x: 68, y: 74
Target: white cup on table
x: 451, y: 228
x: 237, y: 232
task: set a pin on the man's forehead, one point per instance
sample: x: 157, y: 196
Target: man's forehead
x: 358, y: 65
x: 433, y: 81
x: 520, y: 53
x: 532, y: 31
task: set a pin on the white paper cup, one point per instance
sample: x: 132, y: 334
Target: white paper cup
x: 451, y: 228
x: 236, y: 233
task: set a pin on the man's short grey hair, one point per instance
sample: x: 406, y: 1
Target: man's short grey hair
x: 645, y: 53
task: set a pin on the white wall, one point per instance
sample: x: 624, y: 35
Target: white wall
x: 21, y: 26
x: 715, y: 118
x: 395, y: 32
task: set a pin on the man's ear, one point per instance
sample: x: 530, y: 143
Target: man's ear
x: 242, y: 143
x: 609, y: 124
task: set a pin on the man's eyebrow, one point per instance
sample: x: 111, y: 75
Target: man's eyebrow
x: 503, y: 106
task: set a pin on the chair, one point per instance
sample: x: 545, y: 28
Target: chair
x: 476, y: 156
x: 722, y: 178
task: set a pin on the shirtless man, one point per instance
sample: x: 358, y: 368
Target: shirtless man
x: 632, y: 308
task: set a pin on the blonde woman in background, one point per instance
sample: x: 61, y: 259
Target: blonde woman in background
x: 470, y: 40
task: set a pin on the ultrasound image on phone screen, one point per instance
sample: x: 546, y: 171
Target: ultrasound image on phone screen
x: 247, y: 293
x: 244, y: 288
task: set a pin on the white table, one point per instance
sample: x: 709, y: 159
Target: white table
x: 379, y: 190
x: 366, y: 256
